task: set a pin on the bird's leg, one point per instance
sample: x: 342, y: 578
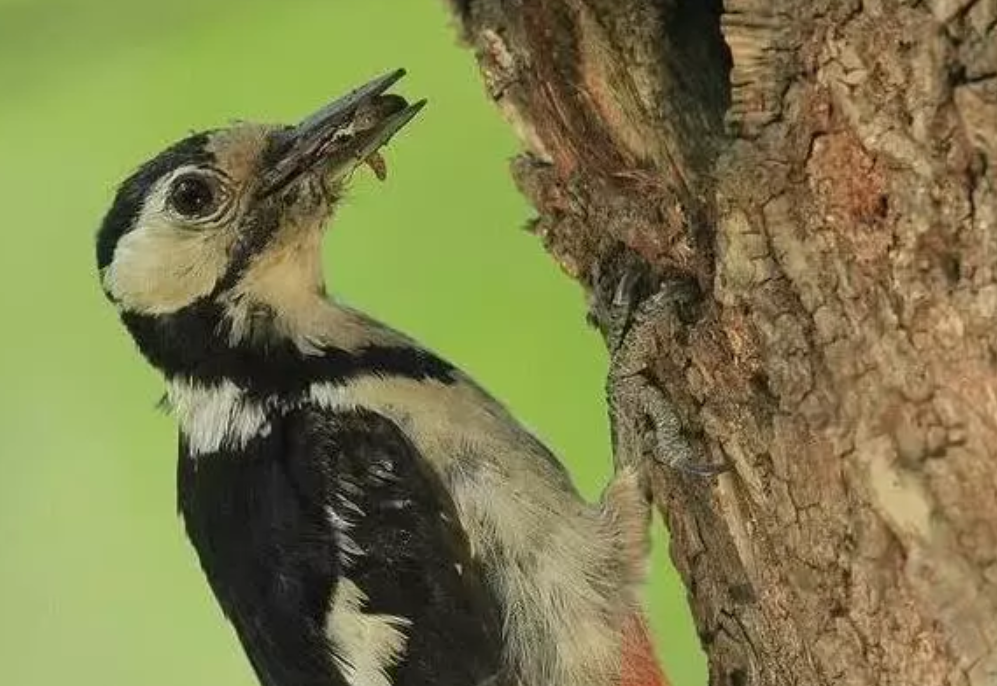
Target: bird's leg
x: 643, y: 417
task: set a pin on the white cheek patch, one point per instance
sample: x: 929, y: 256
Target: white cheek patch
x: 365, y: 646
x: 159, y: 267
x: 215, y: 416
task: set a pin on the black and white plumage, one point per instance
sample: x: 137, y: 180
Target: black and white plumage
x: 365, y: 514
x: 337, y: 512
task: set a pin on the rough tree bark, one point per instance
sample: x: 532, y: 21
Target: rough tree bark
x: 826, y: 171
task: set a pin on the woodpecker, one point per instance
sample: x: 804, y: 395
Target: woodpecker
x: 364, y: 512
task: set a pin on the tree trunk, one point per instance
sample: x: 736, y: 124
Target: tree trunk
x: 826, y: 172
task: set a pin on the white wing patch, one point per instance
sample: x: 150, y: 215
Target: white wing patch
x: 332, y: 397
x: 349, y: 550
x: 215, y: 416
x: 366, y: 645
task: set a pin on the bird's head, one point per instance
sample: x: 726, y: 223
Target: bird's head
x: 211, y: 250
x: 227, y: 213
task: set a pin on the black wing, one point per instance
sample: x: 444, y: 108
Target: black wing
x: 401, y: 543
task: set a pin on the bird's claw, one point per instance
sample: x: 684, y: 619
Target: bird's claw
x: 618, y: 284
x: 656, y: 429
x: 627, y: 314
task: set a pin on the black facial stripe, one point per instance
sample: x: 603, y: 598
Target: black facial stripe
x: 192, y: 343
x: 120, y: 219
x: 251, y: 241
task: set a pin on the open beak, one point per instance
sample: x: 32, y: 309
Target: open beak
x: 341, y: 135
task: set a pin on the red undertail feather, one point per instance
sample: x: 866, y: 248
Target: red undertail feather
x: 640, y: 666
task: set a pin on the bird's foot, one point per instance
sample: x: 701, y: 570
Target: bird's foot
x: 656, y: 429
x: 619, y: 283
x: 644, y: 419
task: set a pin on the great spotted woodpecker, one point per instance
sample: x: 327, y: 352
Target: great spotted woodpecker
x: 366, y: 514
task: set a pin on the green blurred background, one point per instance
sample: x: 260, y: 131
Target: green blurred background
x: 97, y: 584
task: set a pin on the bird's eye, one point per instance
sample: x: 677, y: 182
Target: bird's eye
x: 194, y: 196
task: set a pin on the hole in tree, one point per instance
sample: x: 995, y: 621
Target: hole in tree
x: 702, y: 59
